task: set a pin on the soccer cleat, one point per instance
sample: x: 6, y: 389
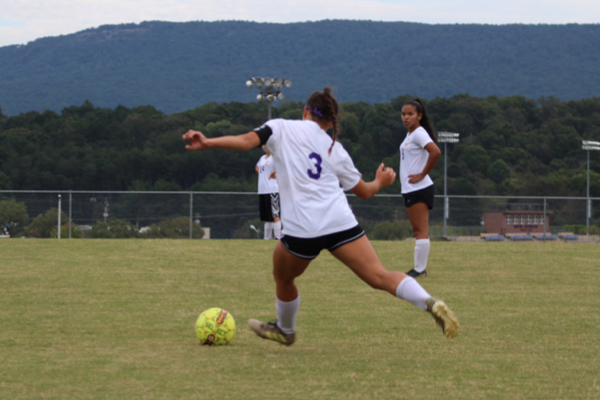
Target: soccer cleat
x: 271, y: 331
x: 416, y: 274
x: 443, y: 317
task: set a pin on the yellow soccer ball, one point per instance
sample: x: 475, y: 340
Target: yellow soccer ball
x: 215, y: 326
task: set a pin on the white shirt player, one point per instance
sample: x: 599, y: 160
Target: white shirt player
x: 312, y: 202
x: 265, y: 166
x: 413, y: 158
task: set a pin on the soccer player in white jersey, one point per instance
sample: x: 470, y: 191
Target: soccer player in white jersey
x: 313, y: 172
x: 268, y: 196
x: 418, y: 155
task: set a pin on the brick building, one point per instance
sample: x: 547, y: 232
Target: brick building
x: 517, y: 219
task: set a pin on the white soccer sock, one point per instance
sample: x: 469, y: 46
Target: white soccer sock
x: 410, y: 290
x: 268, y: 229
x: 286, y: 314
x: 421, y: 254
x: 277, y: 229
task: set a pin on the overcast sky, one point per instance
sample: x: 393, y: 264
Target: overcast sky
x: 22, y: 21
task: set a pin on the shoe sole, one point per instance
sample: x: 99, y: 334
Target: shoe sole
x: 451, y: 325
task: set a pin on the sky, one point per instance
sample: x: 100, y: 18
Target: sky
x: 22, y: 21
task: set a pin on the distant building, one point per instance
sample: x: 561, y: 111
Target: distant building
x: 517, y: 218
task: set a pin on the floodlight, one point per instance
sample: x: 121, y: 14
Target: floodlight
x: 249, y: 84
x: 281, y: 96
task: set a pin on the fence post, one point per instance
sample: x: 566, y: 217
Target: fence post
x: 59, y: 211
x: 191, y: 212
x: 545, y: 220
x: 70, y: 211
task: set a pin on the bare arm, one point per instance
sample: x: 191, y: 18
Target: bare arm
x: 197, y: 141
x: 384, y: 176
x: 434, y: 156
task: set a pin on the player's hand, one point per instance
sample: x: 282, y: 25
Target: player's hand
x: 196, y: 140
x: 415, y: 178
x: 385, y: 175
x: 273, y: 175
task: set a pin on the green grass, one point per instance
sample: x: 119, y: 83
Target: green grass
x: 114, y: 319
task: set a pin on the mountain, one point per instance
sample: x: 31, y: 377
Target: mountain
x: 179, y: 66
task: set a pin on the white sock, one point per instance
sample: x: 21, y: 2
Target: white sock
x: 410, y: 290
x: 421, y: 254
x: 277, y: 229
x: 268, y: 229
x: 286, y: 314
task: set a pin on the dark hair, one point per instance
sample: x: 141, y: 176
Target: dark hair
x: 424, y: 118
x: 324, y: 107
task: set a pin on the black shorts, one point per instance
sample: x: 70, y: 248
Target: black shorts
x: 268, y: 206
x: 420, y: 196
x: 311, y: 247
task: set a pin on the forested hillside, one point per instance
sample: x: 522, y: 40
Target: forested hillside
x: 508, y: 145
x: 179, y: 66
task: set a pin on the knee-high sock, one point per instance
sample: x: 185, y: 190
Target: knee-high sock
x: 410, y: 290
x: 421, y: 254
x: 277, y: 229
x: 286, y: 314
x: 268, y: 229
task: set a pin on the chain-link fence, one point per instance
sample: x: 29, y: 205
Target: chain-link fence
x: 225, y: 215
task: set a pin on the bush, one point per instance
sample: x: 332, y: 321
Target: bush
x: 178, y: 228
x: 388, y: 230
x: 115, y: 229
x: 46, y: 225
x: 581, y: 229
x: 15, y: 215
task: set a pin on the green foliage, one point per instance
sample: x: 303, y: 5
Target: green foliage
x: 134, y: 65
x: 46, y: 225
x: 15, y: 215
x: 114, y: 229
x: 582, y: 229
x: 178, y: 228
x: 397, y: 230
x: 508, y: 145
x: 245, y: 232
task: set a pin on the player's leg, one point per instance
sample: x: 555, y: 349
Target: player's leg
x: 418, y: 214
x: 286, y: 267
x: 361, y: 258
x: 276, y: 210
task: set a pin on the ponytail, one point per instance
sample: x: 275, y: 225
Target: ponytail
x: 324, y: 107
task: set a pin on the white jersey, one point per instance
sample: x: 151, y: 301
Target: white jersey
x: 312, y: 202
x: 413, y: 158
x: 265, y: 166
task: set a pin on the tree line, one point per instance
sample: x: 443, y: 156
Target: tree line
x: 508, y: 145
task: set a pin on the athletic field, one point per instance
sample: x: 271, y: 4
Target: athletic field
x: 114, y: 319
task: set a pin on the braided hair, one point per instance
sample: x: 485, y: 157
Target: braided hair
x: 324, y: 108
x: 424, y: 119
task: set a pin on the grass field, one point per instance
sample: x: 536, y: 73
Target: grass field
x: 114, y: 319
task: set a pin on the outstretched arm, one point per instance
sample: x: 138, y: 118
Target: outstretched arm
x: 197, y: 141
x: 384, y: 176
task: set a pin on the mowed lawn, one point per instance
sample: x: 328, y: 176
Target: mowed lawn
x: 114, y: 319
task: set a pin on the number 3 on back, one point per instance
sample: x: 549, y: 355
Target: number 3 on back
x: 318, y: 160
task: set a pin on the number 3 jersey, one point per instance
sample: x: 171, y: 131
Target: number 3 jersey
x: 311, y: 180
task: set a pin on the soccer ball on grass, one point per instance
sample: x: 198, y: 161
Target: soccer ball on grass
x: 215, y: 326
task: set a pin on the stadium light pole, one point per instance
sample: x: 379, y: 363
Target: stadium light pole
x: 270, y: 89
x: 589, y: 145
x: 446, y: 137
